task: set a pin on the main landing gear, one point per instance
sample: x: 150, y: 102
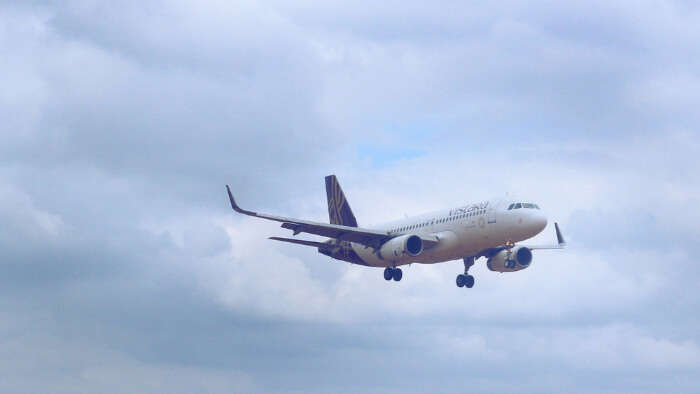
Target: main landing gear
x: 393, y: 273
x: 466, y: 280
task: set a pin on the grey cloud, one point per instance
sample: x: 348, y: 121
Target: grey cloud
x: 123, y: 269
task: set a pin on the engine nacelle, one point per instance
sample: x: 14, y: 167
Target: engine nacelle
x: 519, y: 258
x: 401, y: 248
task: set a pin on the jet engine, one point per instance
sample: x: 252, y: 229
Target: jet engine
x: 518, y: 259
x: 402, y: 247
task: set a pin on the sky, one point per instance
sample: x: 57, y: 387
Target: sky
x: 123, y: 269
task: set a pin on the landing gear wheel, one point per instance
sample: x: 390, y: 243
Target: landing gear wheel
x: 461, y: 280
x: 397, y: 274
x: 466, y: 280
x: 388, y: 273
x: 469, y: 281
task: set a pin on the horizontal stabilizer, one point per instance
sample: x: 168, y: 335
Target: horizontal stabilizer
x: 302, y: 242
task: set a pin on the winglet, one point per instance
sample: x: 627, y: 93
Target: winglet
x: 235, y: 206
x: 560, y: 238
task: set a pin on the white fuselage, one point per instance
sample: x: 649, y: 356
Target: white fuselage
x: 463, y: 231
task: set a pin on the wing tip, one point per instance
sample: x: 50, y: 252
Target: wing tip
x: 560, y: 238
x: 230, y: 198
x: 235, y: 206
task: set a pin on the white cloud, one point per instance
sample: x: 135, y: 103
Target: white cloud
x: 134, y: 116
x: 33, y: 361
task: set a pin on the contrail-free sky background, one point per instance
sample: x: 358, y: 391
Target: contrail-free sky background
x: 123, y: 269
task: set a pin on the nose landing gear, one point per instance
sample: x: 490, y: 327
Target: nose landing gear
x: 466, y: 280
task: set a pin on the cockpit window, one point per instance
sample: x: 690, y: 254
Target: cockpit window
x: 519, y: 205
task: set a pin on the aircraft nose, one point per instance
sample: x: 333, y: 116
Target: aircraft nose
x: 540, y: 220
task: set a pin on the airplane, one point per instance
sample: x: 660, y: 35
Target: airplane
x: 489, y: 229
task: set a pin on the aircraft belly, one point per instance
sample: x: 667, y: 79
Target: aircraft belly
x: 452, y: 246
x: 368, y: 256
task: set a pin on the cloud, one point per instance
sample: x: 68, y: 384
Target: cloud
x: 123, y: 269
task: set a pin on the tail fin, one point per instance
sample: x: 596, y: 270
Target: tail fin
x: 339, y: 210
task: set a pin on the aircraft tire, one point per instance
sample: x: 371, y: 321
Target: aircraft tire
x: 388, y: 274
x: 469, y: 281
x: 398, y: 274
x: 461, y: 280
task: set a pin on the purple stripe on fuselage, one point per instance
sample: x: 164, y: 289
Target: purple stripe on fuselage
x: 343, y: 252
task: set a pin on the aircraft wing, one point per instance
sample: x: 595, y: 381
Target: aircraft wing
x: 367, y: 237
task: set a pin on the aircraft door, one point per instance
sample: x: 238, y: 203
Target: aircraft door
x: 491, y: 215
